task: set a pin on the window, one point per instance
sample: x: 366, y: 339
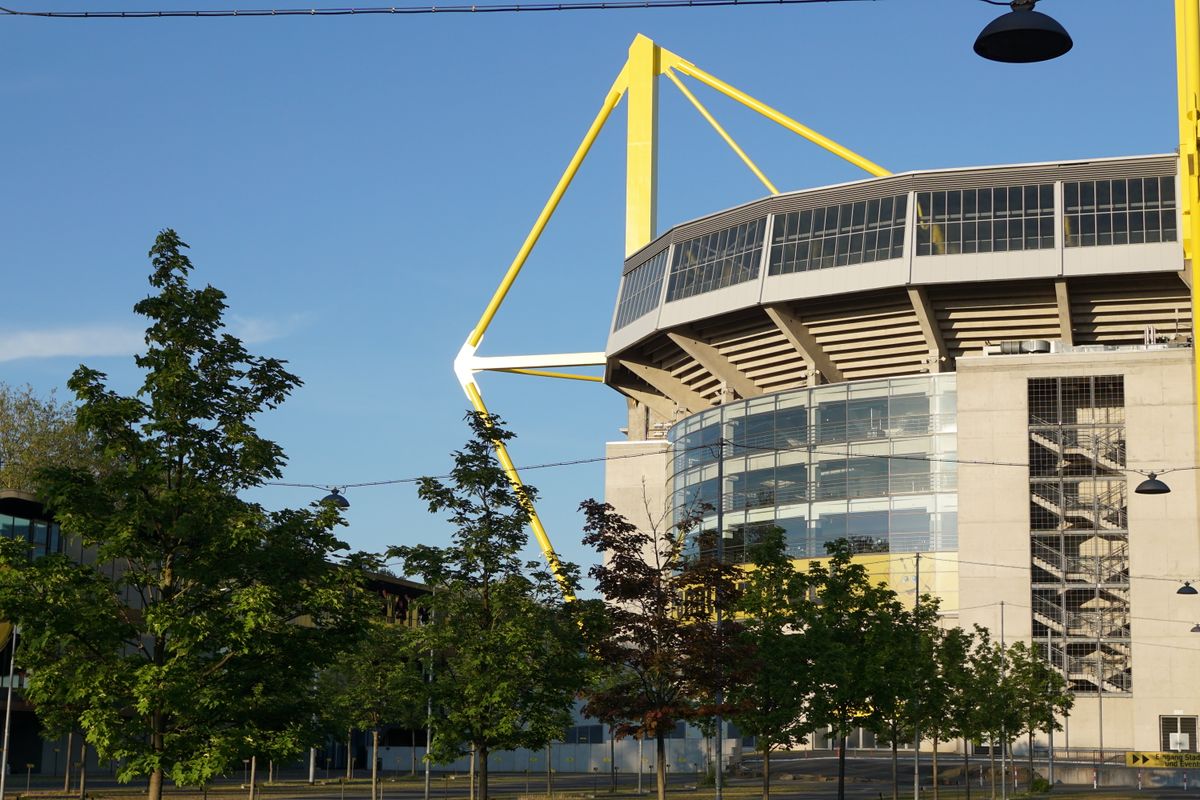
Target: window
x: 716, y: 260
x: 835, y: 236
x: 1178, y: 734
x: 1120, y: 211
x: 990, y: 220
x: 640, y: 290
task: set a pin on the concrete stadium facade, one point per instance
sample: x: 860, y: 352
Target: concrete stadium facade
x: 973, y: 365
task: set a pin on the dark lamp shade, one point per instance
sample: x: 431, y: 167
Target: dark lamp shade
x: 1152, y: 485
x: 335, y: 498
x: 1023, y: 36
x: 1196, y: 628
x: 1187, y: 588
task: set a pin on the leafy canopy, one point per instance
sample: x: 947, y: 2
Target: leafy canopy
x: 194, y: 639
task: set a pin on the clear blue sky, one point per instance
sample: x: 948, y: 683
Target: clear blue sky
x: 358, y: 185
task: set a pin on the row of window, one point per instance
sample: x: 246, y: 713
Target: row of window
x: 837, y: 479
x: 789, y: 429
x: 985, y: 220
x: 898, y: 530
x: 835, y: 236
x: 716, y: 260
x: 43, y: 537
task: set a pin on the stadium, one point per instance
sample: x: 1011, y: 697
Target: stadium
x: 966, y: 373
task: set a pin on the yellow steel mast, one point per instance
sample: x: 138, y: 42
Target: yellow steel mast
x: 638, y: 83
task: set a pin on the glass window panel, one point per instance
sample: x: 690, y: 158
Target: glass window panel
x: 715, y: 261
x: 1009, y: 218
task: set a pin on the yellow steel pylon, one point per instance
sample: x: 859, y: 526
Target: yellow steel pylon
x: 638, y: 82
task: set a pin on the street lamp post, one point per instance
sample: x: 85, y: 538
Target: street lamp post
x: 12, y: 666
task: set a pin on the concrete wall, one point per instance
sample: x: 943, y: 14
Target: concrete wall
x: 636, y: 482
x: 1164, y: 542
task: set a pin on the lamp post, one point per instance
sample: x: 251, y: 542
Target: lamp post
x: 12, y: 662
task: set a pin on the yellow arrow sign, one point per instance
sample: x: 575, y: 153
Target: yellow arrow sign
x: 1162, y: 760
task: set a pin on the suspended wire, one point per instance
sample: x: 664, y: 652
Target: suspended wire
x: 1026, y: 569
x: 712, y: 448
x: 473, y: 8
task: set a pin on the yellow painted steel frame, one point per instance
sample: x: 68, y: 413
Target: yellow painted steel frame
x: 1187, y: 56
x: 638, y: 80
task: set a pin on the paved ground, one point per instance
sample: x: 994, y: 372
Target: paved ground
x: 795, y: 777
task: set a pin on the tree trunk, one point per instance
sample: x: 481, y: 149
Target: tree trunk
x: 70, y: 762
x: 471, y: 775
x: 766, y: 764
x: 483, y: 776
x: 154, y: 792
x: 841, y: 766
x: 1031, y: 759
x: 83, y: 772
x: 935, y: 775
x: 992, y: 765
x: 967, y: 767
x: 895, y: 761
x: 374, y: 763
x: 660, y: 764
x: 350, y: 754
x: 549, y: 773
x: 253, y: 774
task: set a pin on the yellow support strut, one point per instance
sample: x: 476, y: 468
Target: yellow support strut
x: 824, y: 142
x: 1187, y: 56
x: 638, y: 82
x: 721, y: 132
x: 514, y: 269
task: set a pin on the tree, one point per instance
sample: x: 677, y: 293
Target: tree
x: 996, y: 706
x: 899, y: 656
x: 970, y: 681
x: 949, y: 652
x: 1039, y: 693
x: 851, y: 612
x: 185, y: 652
x: 36, y: 433
x: 770, y: 701
x: 661, y: 655
x: 377, y: 681
x: 503, y: 647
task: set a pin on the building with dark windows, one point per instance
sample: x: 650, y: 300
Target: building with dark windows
x: 971, y: 366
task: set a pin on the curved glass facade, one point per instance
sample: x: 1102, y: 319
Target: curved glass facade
x: 869, y: 461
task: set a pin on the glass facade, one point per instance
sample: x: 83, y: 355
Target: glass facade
x: 991, y: 220
x: 1121, y: 211
x: 43, y: 537
x: 835, y: 236
x: 640, y: 290
x: 716, y: 260
x: 869, y: 461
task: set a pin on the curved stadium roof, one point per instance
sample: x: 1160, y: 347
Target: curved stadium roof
x: 899, y: 275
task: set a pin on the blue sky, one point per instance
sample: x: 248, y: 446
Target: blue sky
x: 358, y: 185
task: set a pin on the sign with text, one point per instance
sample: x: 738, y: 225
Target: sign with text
x: 1162, y: 760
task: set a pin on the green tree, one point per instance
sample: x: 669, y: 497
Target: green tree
x: 902, y: 673
x: 949, y: 652
x: 851, y: 612
x: 1039, y: 693
x: 970, y: 681
x: 35, y: 433
x: 661, y: 655
x: 504, y: 648
x: 183, y: 654
x: 770, y: 699
x: 377, y: 681
x: 997, y: 708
